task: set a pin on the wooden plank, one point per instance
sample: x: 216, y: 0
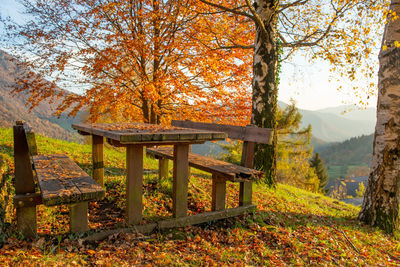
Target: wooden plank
x: 157, y: 143
x: 176, y: 222
x: 131, y: 138
x: 205, y: 217
x: 229, y: 171
x: 140, y: 132
x: 177, y: 135
x: 163, y: 168
x: 88, y: 128
x: 181, y: 180
x: 98, y: 159
x: 246, y: 188
x: 248, y: 133
x: 89, y: 189
x: 218, y: 193
x: 134, y: 202
x: 78, y: 216
x: 30, y: 138
x: 62, y: 181
x: 247, y: 159
x: 24, y: 181
x: 27, y: 200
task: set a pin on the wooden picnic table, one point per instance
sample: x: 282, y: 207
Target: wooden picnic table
x: 134, y: 136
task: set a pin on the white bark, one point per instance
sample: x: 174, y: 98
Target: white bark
x: 381, y: 201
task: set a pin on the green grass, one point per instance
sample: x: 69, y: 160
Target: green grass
x: 291, y: 226
x: 335, y: 172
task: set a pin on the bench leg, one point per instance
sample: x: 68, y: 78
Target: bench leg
x: 218, y: 194
x: 245, y: 193
x: 26, y: 221
x: 181, y: 180
x: 163, y: 168
x: 78, y: 217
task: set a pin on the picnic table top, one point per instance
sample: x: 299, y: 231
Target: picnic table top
x: 142, y: 133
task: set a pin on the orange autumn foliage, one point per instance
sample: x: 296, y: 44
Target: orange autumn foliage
x: 149, y: 61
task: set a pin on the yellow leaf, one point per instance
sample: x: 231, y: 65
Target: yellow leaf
x: 384, y: 47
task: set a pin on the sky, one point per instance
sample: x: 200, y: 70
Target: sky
x: 306, y: 83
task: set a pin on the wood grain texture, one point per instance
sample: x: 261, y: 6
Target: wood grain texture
x: 24, y: 180
x: 27, y: 200
x: 218, y: 194
x: 246, y: 188
x: 62, y: 181
x: 176, y: 222
x: 135, y: 133
x: 163, y: 168
x: 98, y: 159
x: 134, y: 201
x: 229, y: 171
x: 247, y: 133
x: 78, y: 217
x: 245, y: 193
x: 181, y: 180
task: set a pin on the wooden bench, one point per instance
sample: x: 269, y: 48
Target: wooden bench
x: 221, y: 171
x: 60, y: 180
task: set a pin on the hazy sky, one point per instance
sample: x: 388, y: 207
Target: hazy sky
x: 302, y: 81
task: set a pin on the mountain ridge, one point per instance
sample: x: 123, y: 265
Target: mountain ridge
x: 14, y: 107
x: 330, y: 125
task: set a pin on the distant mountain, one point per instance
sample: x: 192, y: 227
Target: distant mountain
x: 352, y: 113
x: 12, y: 107
x: 331, y: 125
x: 354, y: 151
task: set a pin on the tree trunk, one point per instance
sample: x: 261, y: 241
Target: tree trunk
x: 265, y: 90
x: 381, y: 201
x: 145, y: 109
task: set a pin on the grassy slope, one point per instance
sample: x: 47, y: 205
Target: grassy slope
x: 291, y: 226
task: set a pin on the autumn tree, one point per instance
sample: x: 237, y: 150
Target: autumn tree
x: 142, y: 60
x: 381, y: 201
x: 294, y: 150
x: 338, y: 31
x: 318, y: 164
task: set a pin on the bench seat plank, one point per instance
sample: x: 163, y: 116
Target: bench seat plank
x: 229, y: 171
x: 62, y: 181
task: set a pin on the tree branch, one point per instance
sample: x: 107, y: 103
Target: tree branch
x: 295, y: 3
x: 224, y: 8
x: 257, y: 18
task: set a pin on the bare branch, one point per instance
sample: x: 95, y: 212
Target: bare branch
x: 295, y: 3
x: 224, y: 8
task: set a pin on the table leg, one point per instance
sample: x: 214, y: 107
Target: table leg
x: 98, y: 159
x: 134, y: 183
x: 181, y: 180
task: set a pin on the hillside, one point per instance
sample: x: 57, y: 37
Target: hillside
x: 291, y: 226
x: 337, y: 124
x: 352, y: 113
x: 333, y: 128
x: 12, y: 107
x: 354, y: 151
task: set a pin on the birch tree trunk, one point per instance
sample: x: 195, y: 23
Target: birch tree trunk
x: 265, y: 91
x: 381, y: 201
